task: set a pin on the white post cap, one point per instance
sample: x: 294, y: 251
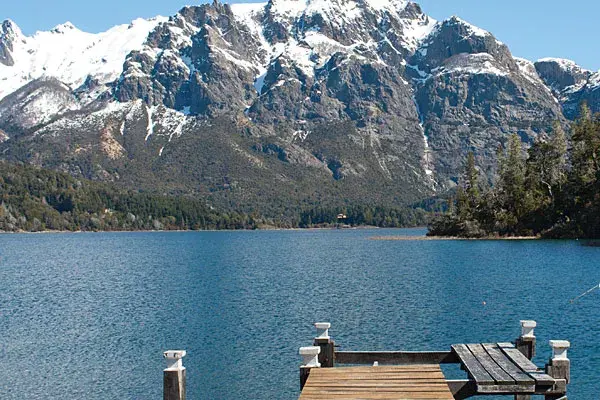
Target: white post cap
x: 310, y: 356
x: 559, y: 349
x: 174, y: 359
x: 527, y: 328
x: 322, y: 330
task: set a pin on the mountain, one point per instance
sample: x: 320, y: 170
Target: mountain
x: 277, y: 104
x: 571, y: 84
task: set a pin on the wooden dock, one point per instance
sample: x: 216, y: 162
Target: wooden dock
x: 381, y: 383
x: 491, y: 369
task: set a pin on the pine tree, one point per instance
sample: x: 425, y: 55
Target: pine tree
x: 511, y: 185
x: 472, y: 181
x: 586, y: 148
x: 468, y: 196
x: 547, y: 164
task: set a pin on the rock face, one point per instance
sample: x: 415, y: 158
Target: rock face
x: 560, y: 74
x: 36, y: 103
x: 365, y: 100
x: 571, y: 84
x: 471, y: 94
x: 9, y: 32
x: 588, y: 93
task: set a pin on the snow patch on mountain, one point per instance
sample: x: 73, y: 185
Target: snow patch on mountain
x: 150, y: 126
x: 480, y: 63
x: 565, y: 64
x: 527, y: 68
x: 415, y: 31
x: 473, y: 30
x: 595, y: 81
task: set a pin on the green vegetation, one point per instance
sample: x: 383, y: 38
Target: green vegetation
x: 551, y: 190
x: 34, y: 199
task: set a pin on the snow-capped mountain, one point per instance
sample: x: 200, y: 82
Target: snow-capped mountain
x: 319, y: 94
x: 67, y: 54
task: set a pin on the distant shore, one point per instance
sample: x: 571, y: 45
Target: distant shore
x: 262, y: 228
x: 438, y: 238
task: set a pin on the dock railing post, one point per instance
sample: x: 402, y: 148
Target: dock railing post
x: 310, y: 360
x: 327, y: 345
x: 559, y: 366
x: 174, y: 375
x: 526, y: 342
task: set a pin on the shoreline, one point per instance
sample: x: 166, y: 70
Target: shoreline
x: 262, y: 229
x: 449, y: 238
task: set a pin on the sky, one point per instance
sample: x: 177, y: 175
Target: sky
x: 532, y: 29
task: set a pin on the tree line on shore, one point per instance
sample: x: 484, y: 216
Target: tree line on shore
x: 34, y: 199
x: 551, y: 189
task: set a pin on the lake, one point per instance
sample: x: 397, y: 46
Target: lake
x: 89, y: 315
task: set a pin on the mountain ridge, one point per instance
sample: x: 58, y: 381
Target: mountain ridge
x: 279, y: 79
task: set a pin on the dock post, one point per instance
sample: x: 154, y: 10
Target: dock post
x: 310, y: 360
x: 526, y: 345
x: 322, y: 340
x: 526, y: 342
x: 559, y: 366
x: 174, y: 376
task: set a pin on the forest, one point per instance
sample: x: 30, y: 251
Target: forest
x: 33, y: 199
x: 550, y: 189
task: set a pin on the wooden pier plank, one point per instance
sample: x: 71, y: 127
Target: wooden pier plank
x: 491, y: 367
x: 541, y: 378
x: 395, y: 357
x: 472, y: 365
x: 507, y: 365
x: 413, y: 382
x: 517, y: 357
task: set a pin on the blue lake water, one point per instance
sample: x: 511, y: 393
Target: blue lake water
x: 87, y: 316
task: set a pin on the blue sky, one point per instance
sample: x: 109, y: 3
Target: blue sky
x: 531, y: 28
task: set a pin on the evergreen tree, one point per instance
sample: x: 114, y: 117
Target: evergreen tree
x: 472, y: 181
x: 467, y: 195
x: 511, y: 185
x: 547, y: 166
x: 586, y: 148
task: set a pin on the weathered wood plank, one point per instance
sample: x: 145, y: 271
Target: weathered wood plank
x: 390, y: 377
x: 472, y: 365
x: 501, y: 389
x: 517, y: 357
x: 378, y: 396
x: 491, y: 367
x: 526, y: 365
x: 174, y: 384
x: 361, y: 384
x: 395, y: 357
x: 377, y: 383
x: 381, y: 369
x: 402, y: 389
x: 542, y: 379
x: 507, y: 365
x: 417, y: 382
